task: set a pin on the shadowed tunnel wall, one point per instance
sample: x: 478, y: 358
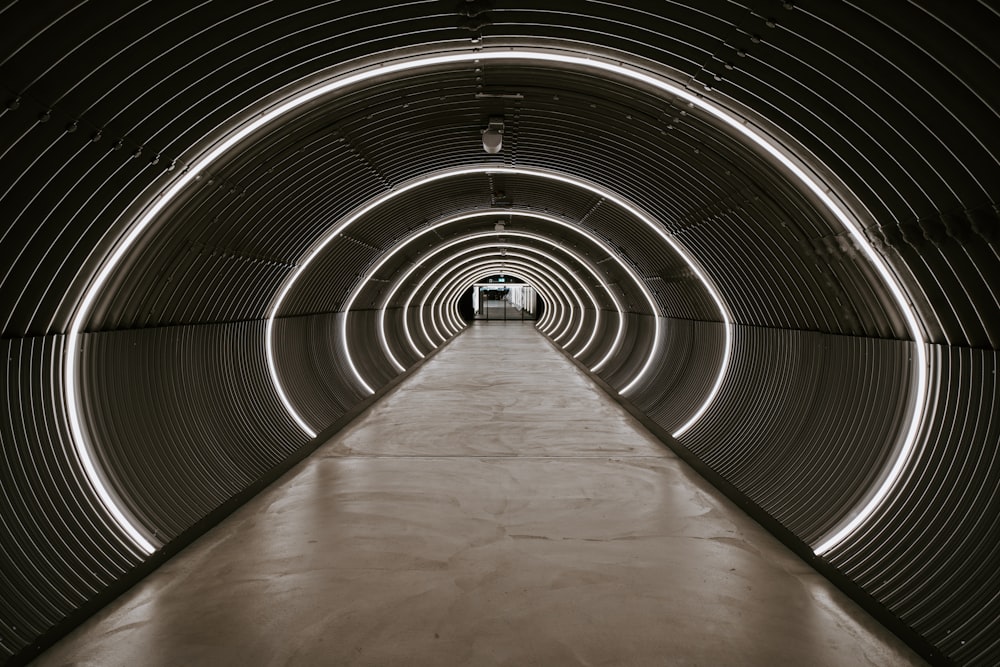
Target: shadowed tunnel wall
x: 262, y: 295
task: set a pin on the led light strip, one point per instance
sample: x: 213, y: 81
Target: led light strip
x: 392, y: 292
x: 540, y: 281
x: 487, y: 269
x: 446, y: 302
x: 547, y: 286
x: 741, y: 127
x: 543, y: 288
x: 450, y: 298
x: 406, y: 330
x: 590, y: 269
x: 555, y: 279
x: 569, y: 323
x: 461, y: 283
x: 333, y: 232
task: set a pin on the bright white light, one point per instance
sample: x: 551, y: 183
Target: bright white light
x: 657, y: 335
x: 508, y: 53
x: 454, y: 294
x: 451, y: 262
x: 86, y: 457
x: 583, y: 286
x: 406, y: 275
x: 543, y: 282
x: 273, y: 370
x: 485, y: 269
x: 556, y: 286
x: 459, y: 283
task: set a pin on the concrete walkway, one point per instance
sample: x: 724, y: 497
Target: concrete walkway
x: 496, y: 509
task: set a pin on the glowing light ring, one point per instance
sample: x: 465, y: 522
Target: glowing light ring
x: 566, y: 294
x: 460, y: 284
x: 453, y: 258
x: 541, y: 287
x: 740, y: 126
x: 569, y: 323
x: 397, y: 286
x: 593, y: 300
x: 439, y: 295
x: 486, y: 269
x: 453, y: 296
x: 406, y: 325
x: 404, y: 311
x: 541, y: 282
x: 593, y: 272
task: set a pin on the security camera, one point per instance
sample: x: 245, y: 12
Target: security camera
x: 492, y: 141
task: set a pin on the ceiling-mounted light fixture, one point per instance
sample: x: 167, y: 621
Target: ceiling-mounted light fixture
x: 493, y: 135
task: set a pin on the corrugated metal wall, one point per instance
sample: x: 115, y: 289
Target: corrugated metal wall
x: 57, y: 551
x: 893, y: 105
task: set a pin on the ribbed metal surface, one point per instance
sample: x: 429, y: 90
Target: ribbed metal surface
x: 104, y: 106
x: 185, y: 416
x: 633, y: 352
x: 309, y: 359
x: 682, y: 378
x: 939, y: 569
x: 57, y: 550
x: 794, y: 424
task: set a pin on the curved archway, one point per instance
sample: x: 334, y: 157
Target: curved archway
x: 742, y: 157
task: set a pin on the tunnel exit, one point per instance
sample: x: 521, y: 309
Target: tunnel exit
x: 503, y: 298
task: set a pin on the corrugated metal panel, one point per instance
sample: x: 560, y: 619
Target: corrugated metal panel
x: 185, y: 417
x: 310, y: 363
x: 896, y: 99
x: 633, y: 352
x: 684, y: 374
x: 932, y: 555
x: 57, y: 549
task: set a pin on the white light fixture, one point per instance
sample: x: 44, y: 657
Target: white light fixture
x: 553, y: 316
x: 590, y: 269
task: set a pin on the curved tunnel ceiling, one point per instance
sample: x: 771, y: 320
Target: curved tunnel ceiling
x: 775, y: 225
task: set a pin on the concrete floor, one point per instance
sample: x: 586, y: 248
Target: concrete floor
x: 497, y: 508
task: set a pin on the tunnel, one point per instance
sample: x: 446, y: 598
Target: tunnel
x: 768, y: 229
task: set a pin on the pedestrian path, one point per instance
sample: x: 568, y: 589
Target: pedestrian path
x: 497, y: 508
